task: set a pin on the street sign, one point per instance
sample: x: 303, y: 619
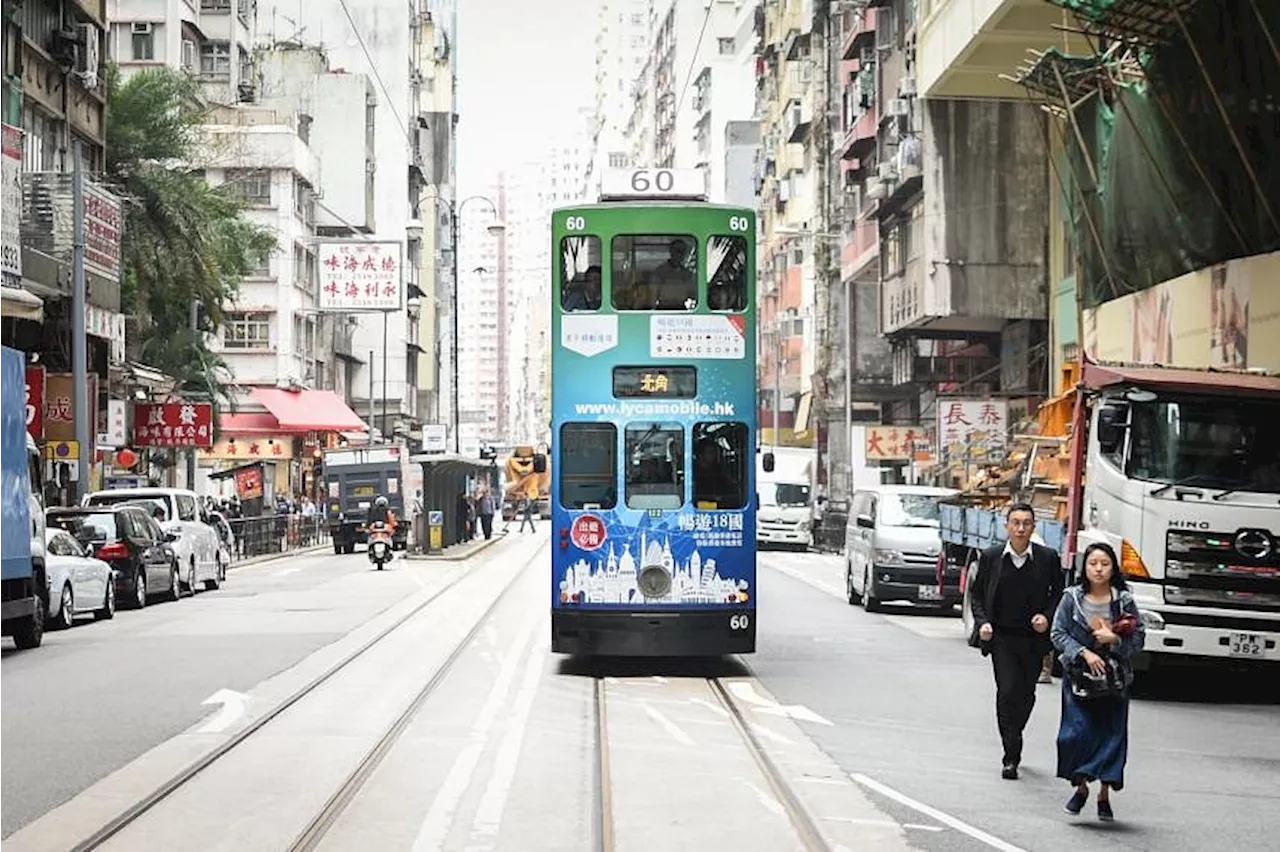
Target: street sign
x: 435, y: 516
x: 435, y: 438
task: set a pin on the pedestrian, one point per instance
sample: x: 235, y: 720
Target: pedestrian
x: 464, y: 512
x: 1096, y: 629
x: 1013, y: 600
x: 484, y: 508
x: 526, y: 514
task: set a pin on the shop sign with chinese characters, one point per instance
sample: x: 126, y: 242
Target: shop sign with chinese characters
x: 60, y: 404
x: 360, y: 276
x: 897, y: 443
x: 117, y: 434
x: 972, y: 427
x: 264, y: 448
x: 173, y: 424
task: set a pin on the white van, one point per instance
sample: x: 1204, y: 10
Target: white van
x: 200, y: 555
x: 892, y: 543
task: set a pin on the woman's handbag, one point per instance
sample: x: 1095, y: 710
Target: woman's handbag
x: 1087, y: 686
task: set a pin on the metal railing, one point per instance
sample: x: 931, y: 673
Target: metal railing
x: 276, y: 534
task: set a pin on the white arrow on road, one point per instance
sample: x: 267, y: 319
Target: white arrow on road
x: 747, y: 692
x: 286, y: 572
x: 233, y: 707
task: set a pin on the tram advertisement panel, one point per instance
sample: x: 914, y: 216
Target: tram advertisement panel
x: 654, y: 430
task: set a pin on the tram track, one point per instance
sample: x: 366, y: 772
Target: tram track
x: 802, y: 823
x: 333, y: 808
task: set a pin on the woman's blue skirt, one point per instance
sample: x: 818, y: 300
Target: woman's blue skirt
x: 1093, y: 739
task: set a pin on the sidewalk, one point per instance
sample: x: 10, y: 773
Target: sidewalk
x: 459, y: 552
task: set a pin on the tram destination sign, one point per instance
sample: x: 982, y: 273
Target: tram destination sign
x: 655, y: 382
x: 653, y: 183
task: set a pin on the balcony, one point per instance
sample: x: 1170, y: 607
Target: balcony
x: 860, y: 248
x: 946, y: 369
x: 965, y: 45
x: 860, y: 139
x: 861, y: 35
x: 799, y: 118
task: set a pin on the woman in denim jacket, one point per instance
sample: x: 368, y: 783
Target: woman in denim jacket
x: 1093, y: 736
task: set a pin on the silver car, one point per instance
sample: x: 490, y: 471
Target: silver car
x: 78, y: 584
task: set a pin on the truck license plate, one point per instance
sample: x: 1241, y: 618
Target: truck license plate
x: 928, y: 593
x: 1246, y: 645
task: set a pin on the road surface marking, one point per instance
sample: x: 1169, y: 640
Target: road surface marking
x: 933, y: 813
x: 770, y: 803
x: 233, y: 707
x: 714, y: 708
x: 769, y: 735
x: 434, y: 830
x: 493, y: 802
x: 669, y: 726
x: 747, y: 692
x: 286, y: 572
x: 883, y: 823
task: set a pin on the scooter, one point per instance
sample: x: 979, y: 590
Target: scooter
x: 380, y: 544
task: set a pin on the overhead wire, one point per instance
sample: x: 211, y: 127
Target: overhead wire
x: 688, y: 76
x: 373, y: 67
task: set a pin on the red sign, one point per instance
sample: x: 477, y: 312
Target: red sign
x: 589, y: 532
x: 172, y: 424
x: 35, y: 402
x: 249, y: 482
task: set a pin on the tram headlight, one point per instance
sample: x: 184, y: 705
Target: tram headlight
x: 654, y: 581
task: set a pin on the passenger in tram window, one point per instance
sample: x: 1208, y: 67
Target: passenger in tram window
x: 721, y: 299
x: 711, y: 483
x: 727, y: 273
x: 672, y: 283
x: 583, y: 294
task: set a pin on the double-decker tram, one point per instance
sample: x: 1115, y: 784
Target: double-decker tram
x: 653, y: 421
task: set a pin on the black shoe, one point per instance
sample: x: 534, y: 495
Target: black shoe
x: 1076, y: 803
x: 1009, y: 772
x: 1104, y: 811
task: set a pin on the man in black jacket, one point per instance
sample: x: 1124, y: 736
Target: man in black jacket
x: 1013, y: 600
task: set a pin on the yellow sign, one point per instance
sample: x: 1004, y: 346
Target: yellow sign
x: 266, y: 448
x: 437, y: 537
x: 62, y: 451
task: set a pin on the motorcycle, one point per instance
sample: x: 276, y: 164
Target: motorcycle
x: 380, y: 544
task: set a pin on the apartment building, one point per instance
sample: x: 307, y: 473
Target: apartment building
x: 622, y: 43
x: 212, y: 39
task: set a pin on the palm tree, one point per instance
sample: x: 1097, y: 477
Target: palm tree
x: 184, y: 243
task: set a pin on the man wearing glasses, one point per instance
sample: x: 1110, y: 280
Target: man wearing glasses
x: 1013, y: 600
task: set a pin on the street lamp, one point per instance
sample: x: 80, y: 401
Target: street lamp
x: 496, y: 228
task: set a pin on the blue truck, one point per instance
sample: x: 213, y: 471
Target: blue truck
x: 25, y: 591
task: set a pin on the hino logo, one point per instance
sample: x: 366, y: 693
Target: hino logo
x: 1255, y: 544
x: 1188, y: 525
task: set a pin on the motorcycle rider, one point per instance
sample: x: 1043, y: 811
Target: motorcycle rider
x: 382, y: 513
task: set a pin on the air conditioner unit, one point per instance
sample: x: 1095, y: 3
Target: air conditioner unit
x: 141, y: 27
x: 88, y: 56
x: 907, y: 87
x: 899, y: 107
x: 875, y: 190
x: 887, y: 171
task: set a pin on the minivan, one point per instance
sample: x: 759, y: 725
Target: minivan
x: 892, y: 542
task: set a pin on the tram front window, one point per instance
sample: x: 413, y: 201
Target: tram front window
x: 655, y: 466
x: 720, y: 465
x: 727, y: 273
x: 588, y: 465
x: 580, y: 273
x: 655, y: 273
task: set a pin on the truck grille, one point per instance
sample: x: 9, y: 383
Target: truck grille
x: 1231, y: 570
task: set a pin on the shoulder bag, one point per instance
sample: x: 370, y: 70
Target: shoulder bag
x: 1112, y: 683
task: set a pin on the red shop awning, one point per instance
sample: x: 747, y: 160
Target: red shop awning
x: 308, y: 411
x: 249, y: 424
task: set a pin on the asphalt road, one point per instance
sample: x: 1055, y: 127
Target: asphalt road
x: 912, y: 708
x: 93, y: 698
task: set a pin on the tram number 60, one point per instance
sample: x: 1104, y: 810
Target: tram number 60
x: 738, y: 223
x: 739, y: 622
x: 575, y: 223
x: 663, y: 180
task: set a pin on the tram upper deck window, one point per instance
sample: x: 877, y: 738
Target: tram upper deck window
x: 580, y: 273
x: 654, y: 465
x: 655, y: 273
x: 727, y: 273
x: 720, y: 455
x: 588, y: 465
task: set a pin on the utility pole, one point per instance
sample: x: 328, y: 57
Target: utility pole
x: 385, y: 439
x: 191, y: 453
x: 373, y: 405
x: 455, y: 240
x: 82, y: 411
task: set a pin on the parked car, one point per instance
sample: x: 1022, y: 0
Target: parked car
x: 133, y: 544
x: 199, y: 556
x: 892, y: 542
x: 226, y: 537
x: 78, y: 583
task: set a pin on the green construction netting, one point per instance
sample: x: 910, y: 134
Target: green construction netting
x: 1152, y: 207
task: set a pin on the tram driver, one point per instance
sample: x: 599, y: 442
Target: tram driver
x: 671, y: 283
x: 584, y: 294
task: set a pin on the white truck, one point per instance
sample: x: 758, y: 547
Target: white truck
x: 785, y: 514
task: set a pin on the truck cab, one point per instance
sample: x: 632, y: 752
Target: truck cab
x: 22, y: 541
x: 1186, y: 489
x: 785, y: 514
x: 354, y: 479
